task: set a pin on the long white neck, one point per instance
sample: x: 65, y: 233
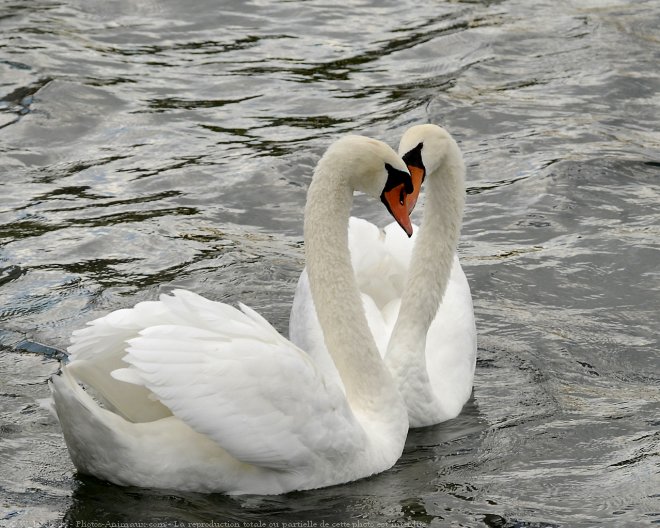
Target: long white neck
x: 428, y: 276
x: 369, y: 386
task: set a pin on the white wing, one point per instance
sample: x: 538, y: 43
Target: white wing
x: 98, y: 349
x: 231, y: 376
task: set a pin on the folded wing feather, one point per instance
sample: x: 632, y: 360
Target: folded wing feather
x: 229, y: 375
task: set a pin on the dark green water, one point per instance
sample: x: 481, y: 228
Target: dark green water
x: 148, y: 144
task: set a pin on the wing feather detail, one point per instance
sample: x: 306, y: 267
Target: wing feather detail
x: 231, y: 376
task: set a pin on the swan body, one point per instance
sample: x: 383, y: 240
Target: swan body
x: 189, y: 394
x: 415, y: 294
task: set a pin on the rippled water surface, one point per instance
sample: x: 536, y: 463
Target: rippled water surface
x: 159, y: 143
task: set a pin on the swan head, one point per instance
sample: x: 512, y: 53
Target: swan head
x: 422, y: 148
x: 372, y: 167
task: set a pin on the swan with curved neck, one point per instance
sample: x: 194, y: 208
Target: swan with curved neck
x: 432, y: 348
x: 198, y: 395
x: 415, y: 294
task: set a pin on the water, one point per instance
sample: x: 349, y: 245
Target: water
x: 160, y: 143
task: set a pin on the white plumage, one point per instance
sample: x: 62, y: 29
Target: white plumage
x: 191, y: 394
x: 433, y: 355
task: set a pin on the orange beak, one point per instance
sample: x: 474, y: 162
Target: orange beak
x: 417, y: 175
x: 396, y: 201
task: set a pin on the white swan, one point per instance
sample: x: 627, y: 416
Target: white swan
x: 418, y: 301
x: 197, y: 395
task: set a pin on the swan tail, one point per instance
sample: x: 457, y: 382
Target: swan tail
x: 91, y: 432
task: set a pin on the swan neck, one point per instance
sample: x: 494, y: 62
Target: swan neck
x: 432, y: 257
x: 334, y: 288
